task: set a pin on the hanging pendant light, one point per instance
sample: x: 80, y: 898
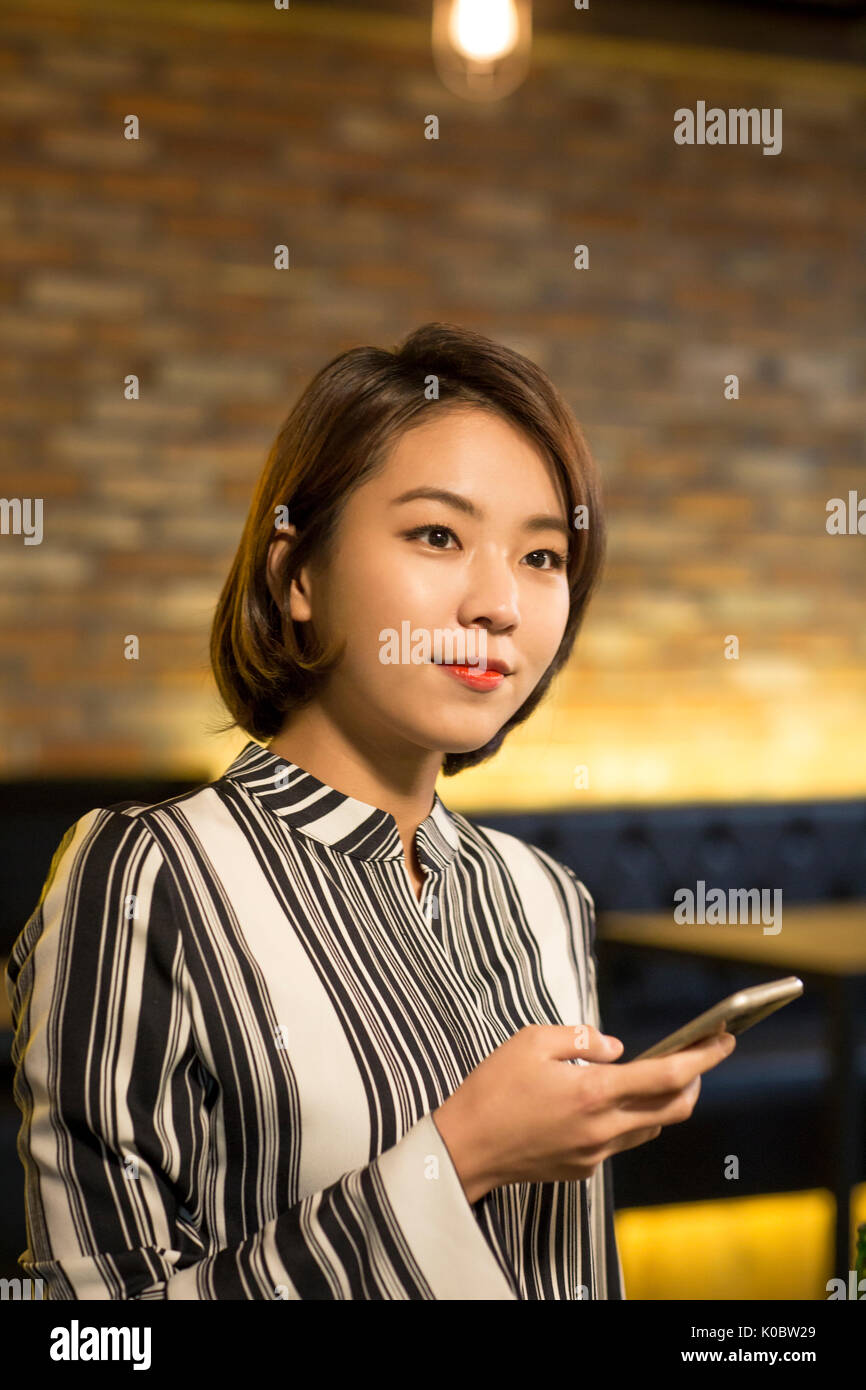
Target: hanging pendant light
x: 481, y: 48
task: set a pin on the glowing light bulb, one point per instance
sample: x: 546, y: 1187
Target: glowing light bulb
x: 481, y: 48
x: 483, y: 30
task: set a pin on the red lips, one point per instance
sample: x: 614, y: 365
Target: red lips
x: 490, y: 679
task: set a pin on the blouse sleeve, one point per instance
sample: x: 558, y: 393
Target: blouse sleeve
x: 613, y: 1260
x: 114, y: 1102
x: 583, y: 931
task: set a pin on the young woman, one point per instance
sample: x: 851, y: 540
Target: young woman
x: 300, y: 1032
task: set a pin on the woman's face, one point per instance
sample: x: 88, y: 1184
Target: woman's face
x: 495, y: 568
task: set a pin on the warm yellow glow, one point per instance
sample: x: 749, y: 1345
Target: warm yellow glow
x: 658, y: 741
x: 483, y: 30
x: 641, y: 746
x: 778, y: 1246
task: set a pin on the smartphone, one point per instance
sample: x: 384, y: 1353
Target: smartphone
x: 733, y: 1015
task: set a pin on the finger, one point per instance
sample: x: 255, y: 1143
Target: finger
x: 631, y: 1138
x: 674, y: 1111
x: 659, y: 1106
x: 716, y: 1033
x: 658, y: 1076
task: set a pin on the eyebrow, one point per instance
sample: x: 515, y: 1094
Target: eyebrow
x: 543, y: 521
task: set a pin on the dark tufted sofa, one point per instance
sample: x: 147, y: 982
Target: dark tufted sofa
x: 769, y: 1103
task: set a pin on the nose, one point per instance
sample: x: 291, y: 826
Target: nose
x: 490, y: 595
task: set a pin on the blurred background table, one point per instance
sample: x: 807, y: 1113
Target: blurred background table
x: 825, y: 944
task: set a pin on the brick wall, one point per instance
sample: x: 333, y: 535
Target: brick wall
x: 306, y: 127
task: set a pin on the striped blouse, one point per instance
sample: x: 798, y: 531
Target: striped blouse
x: 233, y: 1021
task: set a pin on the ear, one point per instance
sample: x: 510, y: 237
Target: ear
x: 278, y: 552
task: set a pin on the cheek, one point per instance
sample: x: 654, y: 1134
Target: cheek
x: 386, y: 594
x: 544, y: 622
x: 375, y: 598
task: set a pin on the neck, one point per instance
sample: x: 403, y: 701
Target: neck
x: 397, y: 778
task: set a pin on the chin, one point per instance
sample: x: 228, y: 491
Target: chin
x: 462, y: 741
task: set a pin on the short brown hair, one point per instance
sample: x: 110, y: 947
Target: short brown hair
x: 338, y: 435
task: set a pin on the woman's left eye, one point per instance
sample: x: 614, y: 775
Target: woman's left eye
x: 558, y: 560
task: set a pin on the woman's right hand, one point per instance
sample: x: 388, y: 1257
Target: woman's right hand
x: 521, y: 1116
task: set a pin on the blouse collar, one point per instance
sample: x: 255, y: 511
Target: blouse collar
x: 345, y: 824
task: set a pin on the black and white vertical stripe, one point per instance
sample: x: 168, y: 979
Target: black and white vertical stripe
x: 233, y: 1021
